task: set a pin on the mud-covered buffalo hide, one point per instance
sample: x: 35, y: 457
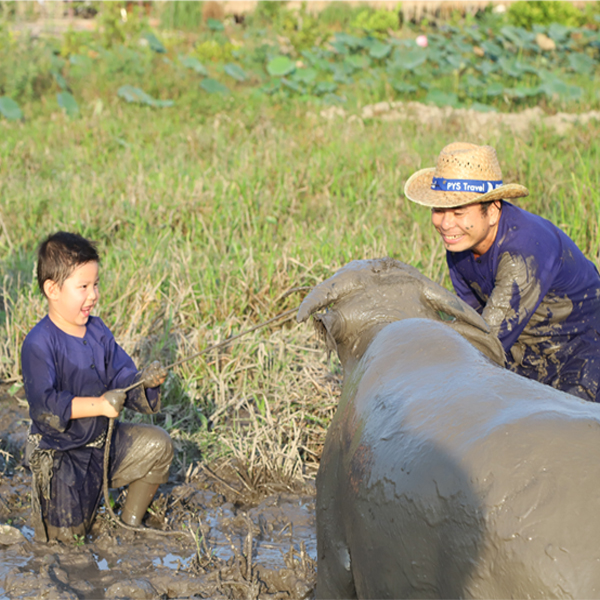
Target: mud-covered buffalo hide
x: 443, y: 474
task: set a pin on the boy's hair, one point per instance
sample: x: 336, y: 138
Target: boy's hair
x: 60, y: 254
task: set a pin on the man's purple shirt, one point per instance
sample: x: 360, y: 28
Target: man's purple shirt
x: 541, y: 296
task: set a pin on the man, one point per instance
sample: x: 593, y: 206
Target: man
x: 526, y: 277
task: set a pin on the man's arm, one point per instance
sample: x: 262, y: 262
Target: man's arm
x: 517, y: 294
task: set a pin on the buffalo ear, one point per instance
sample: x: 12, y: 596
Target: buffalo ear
x: 467, y: 321
x: 324, y: 326
x: 442, y: 300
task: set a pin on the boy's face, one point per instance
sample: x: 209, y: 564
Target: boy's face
x: 70, y: 305
x: 466, y: 227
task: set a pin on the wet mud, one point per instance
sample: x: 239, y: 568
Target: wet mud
x: 245, y: 544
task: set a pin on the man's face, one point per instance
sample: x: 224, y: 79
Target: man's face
x: 467, y: 227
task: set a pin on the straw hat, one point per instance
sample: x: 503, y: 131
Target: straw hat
x: 464, y: 174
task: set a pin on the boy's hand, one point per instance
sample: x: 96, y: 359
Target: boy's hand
x: 153, y: 375
x: 116, y: 399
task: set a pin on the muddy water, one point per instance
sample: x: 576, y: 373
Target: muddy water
x: 246, y: 546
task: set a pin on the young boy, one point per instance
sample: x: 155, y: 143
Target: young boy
x: 73, y: 371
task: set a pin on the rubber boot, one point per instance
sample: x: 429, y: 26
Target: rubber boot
x: 139, y: 496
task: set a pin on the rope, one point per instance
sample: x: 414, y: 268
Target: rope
x: 111, y: 422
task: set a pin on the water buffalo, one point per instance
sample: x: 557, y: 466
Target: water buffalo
x: 443, y: 474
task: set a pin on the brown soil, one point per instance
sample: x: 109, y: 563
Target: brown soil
x: 249, y: 544
x: 478, y: 125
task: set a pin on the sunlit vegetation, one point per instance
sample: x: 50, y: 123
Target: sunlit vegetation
x: 197, y: 158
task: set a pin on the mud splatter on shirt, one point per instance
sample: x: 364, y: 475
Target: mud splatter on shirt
x: 541, y: 296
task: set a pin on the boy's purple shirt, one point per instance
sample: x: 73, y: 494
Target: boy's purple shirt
x: 538, y: 292
x: 58, y: 367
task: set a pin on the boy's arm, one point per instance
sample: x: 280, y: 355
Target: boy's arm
x: 49, y: 408
x: 122, y: 372
x: 108, y: 405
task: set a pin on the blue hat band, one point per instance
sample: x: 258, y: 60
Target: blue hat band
x: 477, y: 186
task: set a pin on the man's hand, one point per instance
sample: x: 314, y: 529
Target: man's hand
x: 153, y: 375
x: 115, y: 399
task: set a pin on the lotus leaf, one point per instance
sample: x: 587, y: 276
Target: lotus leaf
x: 60, y: 80
x: 357, y: 62
x: 582, y: 63
x: 68, y: 104
x: 409, y: 60
x: 325, y: 87
x: 475, y: 93
x: 9, y: 109
x: 513, y: 67
x: 559, y: 33
x: 472, y: 81
x: 547, y: 76
x: 235, y: 71
x: 494, y: 89
x: 522, y: 91
x: 436, y: 55
x: 379, y: 50
x: 281, y: 66
x: 518, y: 36
x: 154, y: 43
x: 476, y: 35
x: 348, y: 40
x: 339, y: 47
x: 193, y: 63
x: 561, y: 89
x: 311, y: 57
x: 136, y: 95
x: 305, y: 75
x: 456, y: 61
x: 486, y: 67
x: 493, y: 50
x: 271, y: 87
x: 81, y: 61
x: 404, y: 88
x: 369, y: 81
x: 215, y: 25
x: 461, y: 45
x: 340, y: 75
x: 324, y: 65
x: 333, y: 99
x: 57, y: 62
x: 441, y: 98
x: 483, y: 107
x: 212, y: 86
x: 292, y: 85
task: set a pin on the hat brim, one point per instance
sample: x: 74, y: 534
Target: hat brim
x: 418, y: 189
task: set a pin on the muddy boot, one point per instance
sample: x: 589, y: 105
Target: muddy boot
x: 139, y: 496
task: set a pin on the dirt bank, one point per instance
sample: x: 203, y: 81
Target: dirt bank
x: 479, y: 125
x: 247, y: 544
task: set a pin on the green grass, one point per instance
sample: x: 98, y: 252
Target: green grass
x: 207, y: 213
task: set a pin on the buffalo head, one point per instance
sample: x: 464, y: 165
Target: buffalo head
x: 365, y: 295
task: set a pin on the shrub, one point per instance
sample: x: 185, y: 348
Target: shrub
x: 213, y: 50
x: 376, y: 22
x: 542, y: 12
x: 301, y: 28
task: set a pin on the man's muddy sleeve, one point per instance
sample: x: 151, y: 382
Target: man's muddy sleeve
x: 49, y: 408
x: 463, y: 291
x: 517, y: 294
